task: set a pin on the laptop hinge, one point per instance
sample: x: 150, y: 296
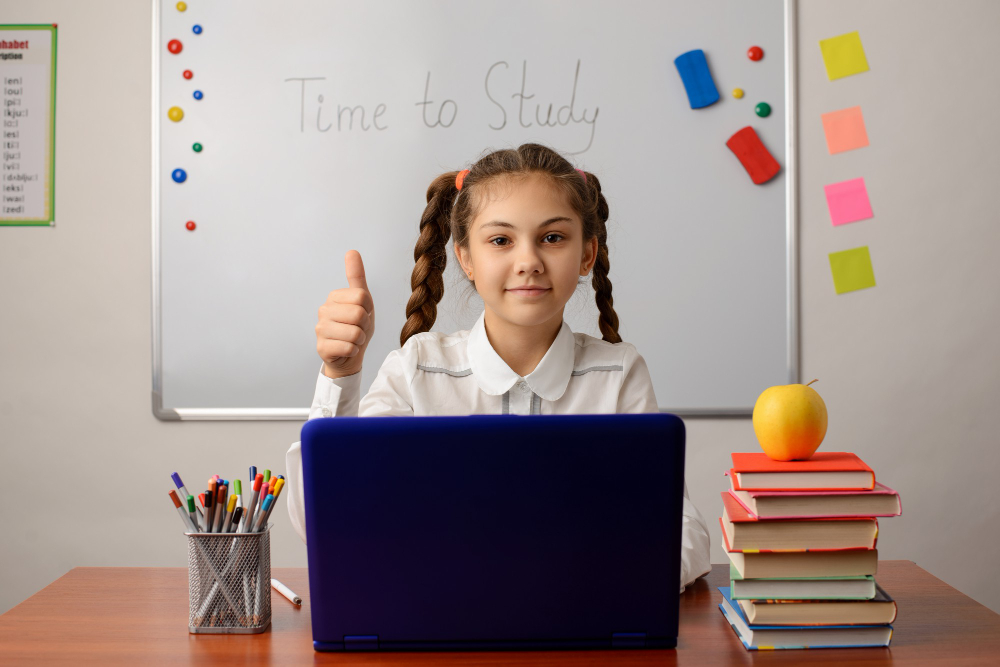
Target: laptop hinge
x: 628, y: 640
x: 360, y: 642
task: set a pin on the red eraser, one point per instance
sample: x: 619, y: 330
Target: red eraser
x: 754, y: 157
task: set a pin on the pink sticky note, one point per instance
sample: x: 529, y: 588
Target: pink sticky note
x: 845, y: 130
x: 848, y: 201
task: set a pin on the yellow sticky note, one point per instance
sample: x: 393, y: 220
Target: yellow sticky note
x: 843, y: 55
x: 852, y: 269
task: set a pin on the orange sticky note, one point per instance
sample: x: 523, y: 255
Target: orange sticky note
x: 845, y: 130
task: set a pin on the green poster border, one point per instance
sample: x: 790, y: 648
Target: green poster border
x: 51, y: 220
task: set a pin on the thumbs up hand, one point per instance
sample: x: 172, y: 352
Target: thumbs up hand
x: 346, y: 322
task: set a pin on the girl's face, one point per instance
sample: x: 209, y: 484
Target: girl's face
x: 526, y: 251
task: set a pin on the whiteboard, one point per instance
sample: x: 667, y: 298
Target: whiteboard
x: 322, y: 124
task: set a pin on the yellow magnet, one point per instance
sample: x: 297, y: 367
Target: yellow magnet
x: 737, y: 93
x: 175, y: 114
x: 181, y: 6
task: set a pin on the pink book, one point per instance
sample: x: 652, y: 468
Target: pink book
x: 880, y: 501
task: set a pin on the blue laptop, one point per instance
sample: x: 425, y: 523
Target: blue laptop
x: 494, y: 532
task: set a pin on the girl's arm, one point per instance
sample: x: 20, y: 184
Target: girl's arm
x: 636, y: 395
x: 389, y: 396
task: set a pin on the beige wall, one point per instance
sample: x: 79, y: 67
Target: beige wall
x: 909, y: 369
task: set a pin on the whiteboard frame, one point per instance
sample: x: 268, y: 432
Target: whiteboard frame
x: 302, y: 414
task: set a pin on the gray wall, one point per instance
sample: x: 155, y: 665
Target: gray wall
x: 909, y: 369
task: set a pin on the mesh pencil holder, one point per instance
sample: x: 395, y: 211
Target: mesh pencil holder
x: 229, y: 582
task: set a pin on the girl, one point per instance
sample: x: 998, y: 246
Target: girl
x: 526, y: 226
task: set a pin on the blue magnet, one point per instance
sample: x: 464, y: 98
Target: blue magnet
x: 196, y: 29
x: 698, y: 82
x: 198, y: 95
x: 179, y: 175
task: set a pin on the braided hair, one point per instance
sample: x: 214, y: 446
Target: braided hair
x: 450, y: 212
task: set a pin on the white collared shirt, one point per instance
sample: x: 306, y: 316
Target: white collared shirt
x: 461, y: 374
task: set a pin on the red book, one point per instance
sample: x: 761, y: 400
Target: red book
x: 825, y: 471
x: 744, y: 532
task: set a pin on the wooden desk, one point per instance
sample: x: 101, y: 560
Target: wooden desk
x: 139, y: 616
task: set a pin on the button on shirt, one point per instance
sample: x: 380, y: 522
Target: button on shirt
x: 461, y: 374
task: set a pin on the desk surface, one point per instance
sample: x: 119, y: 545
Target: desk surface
x: 138, y: 614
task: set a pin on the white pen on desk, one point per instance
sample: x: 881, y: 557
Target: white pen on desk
x: 287, y: 592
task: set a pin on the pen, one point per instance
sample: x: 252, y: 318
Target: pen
x: 192, y: 512
x: 220, y: 507
x: 239, y: 493
x: 287, y: 592
x: 182, y: 492
x: 237, y: 514
x: 267, y: 475
x: 209, y: 512
x: 180, y: 510
x: 230, y: 508
x: 274, y: 500
x: 253, y: 474
x: 210, y: 505
x: 249, y: 514
x: 262, y: 514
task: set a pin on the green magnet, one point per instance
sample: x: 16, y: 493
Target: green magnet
x: 763, y: 109
x: 197, y: 148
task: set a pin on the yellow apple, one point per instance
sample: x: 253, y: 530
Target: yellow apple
x: 790, y: 421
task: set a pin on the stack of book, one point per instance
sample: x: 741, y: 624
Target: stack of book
x: 801, y: 538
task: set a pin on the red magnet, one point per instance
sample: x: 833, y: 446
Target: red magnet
x: 188, y: 74
x: 758, y: 162
x: 175, y: 46
x: 190, y: 225
x: 755, y: 53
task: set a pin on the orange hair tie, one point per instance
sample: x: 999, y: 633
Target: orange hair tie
x: 461, y: 178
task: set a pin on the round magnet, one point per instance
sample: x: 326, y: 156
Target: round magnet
x: 175, y: 46
x: 738, y: 93
x: 755, y: 53
x: 179, y: 175
x: 196, y: 148
x: 188, y: 74
x: 181, y: 6
x: 196, y: 29
x: 175, y: 114
x: 763, y: 109
x: 198, y: 95
x: 190, y: 225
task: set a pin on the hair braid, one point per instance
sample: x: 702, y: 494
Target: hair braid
x: 431, y: 256
x: 608, y: 319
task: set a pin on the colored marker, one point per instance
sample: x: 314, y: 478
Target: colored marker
x: 220, y: 507
x: 262, y: 515
x: 234, y: 524
x: 274, y: 500
x: 230, y: 508
x: 239, y: 493
x: 209, y: 512
x: 249, y: 514
x: 180, y: 510
x: 253, y: 474
x: 192, y: 512
x: 267, y: 475
x: 181, y: 491
x: 210, y: 505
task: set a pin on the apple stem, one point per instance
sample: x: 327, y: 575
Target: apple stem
x: 816, y: 380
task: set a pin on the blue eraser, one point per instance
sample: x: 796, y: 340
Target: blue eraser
x: 698, y: 82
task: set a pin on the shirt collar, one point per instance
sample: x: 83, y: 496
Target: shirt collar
x: 549, y: 379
